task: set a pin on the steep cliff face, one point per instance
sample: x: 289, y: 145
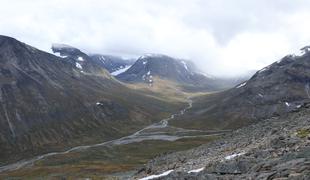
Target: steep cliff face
x: 50, y: 103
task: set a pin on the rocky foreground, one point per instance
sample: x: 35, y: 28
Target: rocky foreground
x: 276, y: 148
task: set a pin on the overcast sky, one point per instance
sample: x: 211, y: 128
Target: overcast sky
x: 223, y: 37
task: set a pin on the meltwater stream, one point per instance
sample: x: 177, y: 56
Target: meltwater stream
x: 141, y: 135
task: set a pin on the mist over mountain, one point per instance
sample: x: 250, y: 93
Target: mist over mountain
x: 215, y: 35
x: 148, y: 67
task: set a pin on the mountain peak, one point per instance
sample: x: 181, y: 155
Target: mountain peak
x: 153, y: 55
x: 149, y: 66
x: 65, y: 50
x: 56, y: 46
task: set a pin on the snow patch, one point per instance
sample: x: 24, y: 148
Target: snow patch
x: 166, y: 173
x: 196, y: 170
x: 260, y: 95
x: 142, y: 57
x: 78, y: 65
x: 148, y: 73
x: 144, y: 62
x: 58, y: 54
x: 80, y: 58
x: 287, y: 104
x: 99, y: 103
x: 184, y: 64
x: 264, y: 69
x: 233, y: 156
x: 120, y: 71
x: 241, y: 85
x: 207, y: 75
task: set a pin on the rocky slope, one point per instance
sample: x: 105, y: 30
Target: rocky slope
x: 273, y: 148
x: 147, y: 67
x: 51, y: 103
x: 279, y: 88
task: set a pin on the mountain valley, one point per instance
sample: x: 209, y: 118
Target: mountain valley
x: 73, y: 115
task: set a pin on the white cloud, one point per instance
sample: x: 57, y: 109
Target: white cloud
x: 223, y: 37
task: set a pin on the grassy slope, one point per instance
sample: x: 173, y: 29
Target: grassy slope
x: 100, y: 162
x: 206, y: 115
x: 147, y: 109
x: 103, y: 161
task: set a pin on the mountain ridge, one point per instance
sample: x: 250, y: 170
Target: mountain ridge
x: 47, y: 103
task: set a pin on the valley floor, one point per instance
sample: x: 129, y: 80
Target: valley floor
x: 278, y: 147
x: 111, y: 159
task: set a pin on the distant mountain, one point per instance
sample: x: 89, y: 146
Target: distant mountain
x: 113, y: 64
x: 51, y: 103
x: 282, y: 87
x: 149, y: 67
x: 78, y: 58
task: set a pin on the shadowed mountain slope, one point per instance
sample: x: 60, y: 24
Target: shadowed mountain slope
x: 276, y: 89
x: 50, y: 103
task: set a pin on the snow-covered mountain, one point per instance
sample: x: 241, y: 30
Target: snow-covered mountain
x: 78, y: 58
x: 113, y: 64
x: 184, y: 72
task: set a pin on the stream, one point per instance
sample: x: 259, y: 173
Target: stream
x: 157, y: 131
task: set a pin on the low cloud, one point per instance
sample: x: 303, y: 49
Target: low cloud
x: 223, y: 37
